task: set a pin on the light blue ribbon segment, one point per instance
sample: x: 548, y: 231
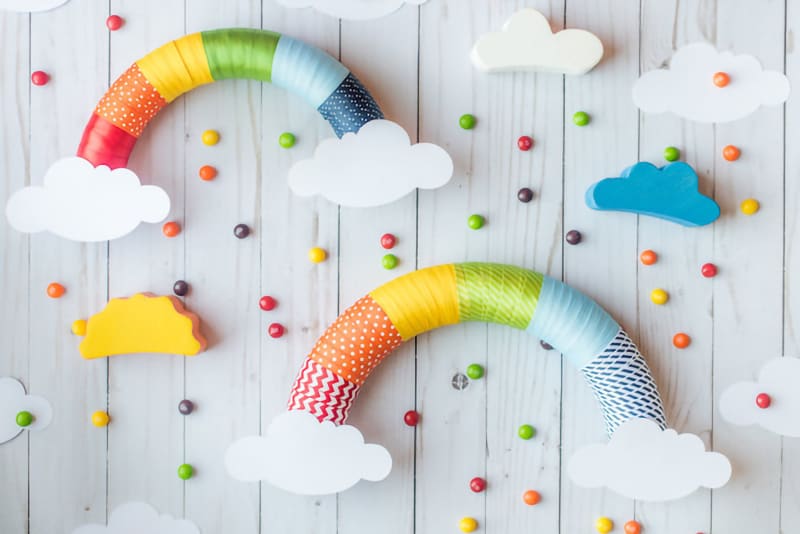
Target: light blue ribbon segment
x: 306, y: 70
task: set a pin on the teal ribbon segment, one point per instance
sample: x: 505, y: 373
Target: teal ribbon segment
x: 306, y: 70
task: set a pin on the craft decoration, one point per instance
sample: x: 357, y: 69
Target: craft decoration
x: 139, y: 518
x: 375, y: 166
x: 648, y: 463
x: 527, y: 43
x: 143, y: 323
x: 777, y: 385
x: 14, y: 400
x: 692, y: 87
x: 352, y: 9
x: 670, y: 193
x: 30, y: 6
x: 367, y: 332
x: 177, y: 67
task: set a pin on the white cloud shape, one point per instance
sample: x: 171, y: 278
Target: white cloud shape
x: 14, y: 400
x: 646, y: 463
x: 687, y: 88
x: 30, y: 6
x: 304, y: 456
x: 82, y: 202
x: 352, y: 9
x: 527, y: 43
x: 375, y: 166
x: 779, y: 378
x: 139, y: 518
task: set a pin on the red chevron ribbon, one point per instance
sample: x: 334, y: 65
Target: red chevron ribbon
x: 321, y: 392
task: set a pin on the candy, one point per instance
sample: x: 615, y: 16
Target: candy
x: 573, y: 237
x: 477, y: 484
x: 731, y: 153
x: 545, y: 345
x: 467, y: 121
x: 241, y: 231
x: 55, y: 290
x: 468, y: 524
x: 603, y: 525
x: 171, y: 229
x: 39, y: 78
x: 24, y: 419
x: 207, y: 173
x: 648, y: 257
x: 709, y: 270
x: 210, y: 137
x: 580, y: 118
x: 287, y: 140
x: 633, y: 527
x: 749, y: 206
x: 681, y: 340
x: 388, y: 241
x: 275, y: 330
x: 186, y: 407
x: 721, y: 79
x: 475, y: 371
x: 389, y: 261
x: 531, y: 497
x: 185, y: 471
x: 79, y: 327
x: 411, y: 418
x: 659, y: 296
x: 317, y: 255
x: 525, y: 143
x: 526, y: 431
x: 763, y: 401
x: 525, y: 195
x: 671, y: 153
x: 100, y: 419
x: 180, y: 288
x: 476, y: 221
x: 267, y: 303
x: 114, y: 22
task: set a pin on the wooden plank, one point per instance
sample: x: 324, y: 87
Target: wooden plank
x: 67, y: 460
x: 14, y: 282
x: 603, y: 265
x: 144, y: 390
x: 389, y: 71
x: 224, y: 273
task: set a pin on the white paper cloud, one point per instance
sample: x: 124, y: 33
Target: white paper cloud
x: 646, y: 463
x: 375, y: 166
x: 687, y: 88
x: 14, y: 400
x: 85, y: 203
x: 139, y: 518
x: 303, y: 456
x: 779, y: 379
x: 527, y: 43
x: 29, y: 6
x: 352, y: 9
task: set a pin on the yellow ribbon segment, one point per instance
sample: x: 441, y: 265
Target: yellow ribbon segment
x: 177, y: 67
x: 420, y: 301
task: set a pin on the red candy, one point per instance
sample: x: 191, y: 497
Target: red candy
x: 525, y: 143
x: 411, y: 418
x: 763, y: 401
x: 114, y: 22
x: 267, y: 303
x: 39, y: 78
x: 709, y: 270
x: 477, y: 484
x: 276, y: 330
x: 388, y: 241
x: 171, y: 229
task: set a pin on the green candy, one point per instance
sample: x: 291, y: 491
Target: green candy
x: 526, y: 431
x: 287, y: 140
x: 24, y: 419
x: 467, y: 121
x: 476, y: 222
x: 389, y: 261
x: 671, y: 153
x: 475, y: 371
x: 185, y: 472
x: 580, y: 118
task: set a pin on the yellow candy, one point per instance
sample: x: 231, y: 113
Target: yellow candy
x: 79, y: 327
x: 100, y: 418
x: 317, y: 255
x: 659, y: 296
x: 210, y: 137
x: 603, y: 525
x: 468, y: 524
x: 749, y: 206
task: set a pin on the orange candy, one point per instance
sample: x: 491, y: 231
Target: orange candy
x: 721, y: 79
x: 633, y: 527
x: 531, y: 497
x: 55, y: 290
x: 171, y: 229
x: 648, y: 257
x: 207, y: 173
x: 681, y: 340
x: 731, y: 153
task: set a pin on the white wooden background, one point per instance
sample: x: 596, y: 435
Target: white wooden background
x: 416, y: 64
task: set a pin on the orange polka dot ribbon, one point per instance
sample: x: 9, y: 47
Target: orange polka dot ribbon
x: 131, y: 102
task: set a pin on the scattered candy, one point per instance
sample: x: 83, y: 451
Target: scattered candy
x: 24, y: 419
x: 526, y: 431
x: 573, y: 237
x: 681, y: 340
x: 411, y: 418
x: 241, y: 231
x: 468, y: 524
x: 114, y: 22
x: 39, y: 78
x: 267, y: 303
x: 603, y: 525
x: 750, y: 206
x: 671, y: 153
x: 317, y: 255
x: 459, y: 381
x: 525, y: 195
x: 525, y: 143
x: 731, y: 153
x: 476, y: 221
x: 545, y: 345
x: 763, y: 401
x: 467, y: 121
x: 648, y: 257
x: 210, y: 137
x: 287, y: 140
x: 186, y: 407
x: 531, y: 497
x: 388, y: 241
x: 721, y: 79
x: 79, y: 327
x: 580, y: 118
x: 55, y: 290
x: 477, y: 484
x: 633, y: 527
x: 185, y: 472
x: 659, y: 296
x: 475, y: 371
x: 275, y: 330
x: 207, y: 173
x: 100, y: 419
x: 709, y: 270
x: 389, y: 261
x: 180, y: 288
x: 171, y: 229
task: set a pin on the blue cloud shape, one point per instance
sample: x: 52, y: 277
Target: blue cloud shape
x: 669, y: 192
